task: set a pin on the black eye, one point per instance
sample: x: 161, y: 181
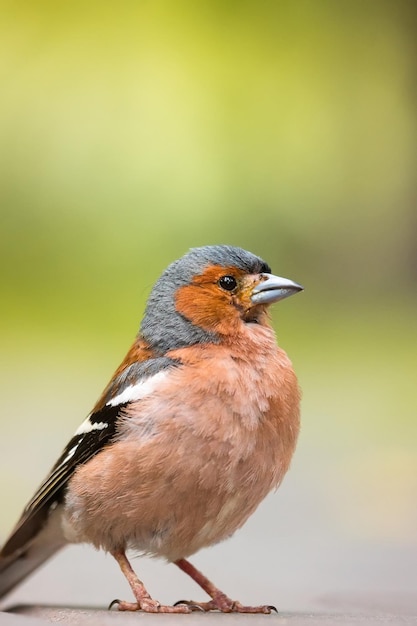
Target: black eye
x: 228, y: 283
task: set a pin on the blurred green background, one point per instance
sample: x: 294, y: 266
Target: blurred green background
x: 132, y: 131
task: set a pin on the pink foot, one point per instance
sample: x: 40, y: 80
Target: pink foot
x: 148, y: 605
x: 225, y: 605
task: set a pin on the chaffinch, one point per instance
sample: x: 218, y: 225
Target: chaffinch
x: 196, y: 427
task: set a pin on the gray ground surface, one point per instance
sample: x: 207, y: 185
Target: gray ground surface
x: 35, y: 616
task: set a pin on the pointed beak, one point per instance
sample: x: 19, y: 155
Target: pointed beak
x: 273, y: 288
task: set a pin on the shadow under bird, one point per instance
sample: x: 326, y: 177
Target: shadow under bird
x: 198, y: 424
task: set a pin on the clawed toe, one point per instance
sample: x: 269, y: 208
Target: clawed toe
x: 225, y: 605
x: 124, y: 606
x: 193, y: 606
x: 148, y: 605
x: 113, y: 603
x: 266, y: 609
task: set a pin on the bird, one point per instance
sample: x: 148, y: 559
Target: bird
x: 197, y: 425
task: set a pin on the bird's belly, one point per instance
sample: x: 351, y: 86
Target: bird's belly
x: 230, y: 516
x: 182, y: 535
x: 169, y: 508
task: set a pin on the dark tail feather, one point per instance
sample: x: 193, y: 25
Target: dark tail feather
x: 16, y: 565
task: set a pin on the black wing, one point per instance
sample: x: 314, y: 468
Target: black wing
x: 94, y: 434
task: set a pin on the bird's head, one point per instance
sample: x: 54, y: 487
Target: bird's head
x: 208, y: 294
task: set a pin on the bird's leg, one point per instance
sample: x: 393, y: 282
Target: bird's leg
x: 219, y: 600
x: 144, y: 602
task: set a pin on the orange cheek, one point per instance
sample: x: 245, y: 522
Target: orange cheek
x: 206, y: 307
